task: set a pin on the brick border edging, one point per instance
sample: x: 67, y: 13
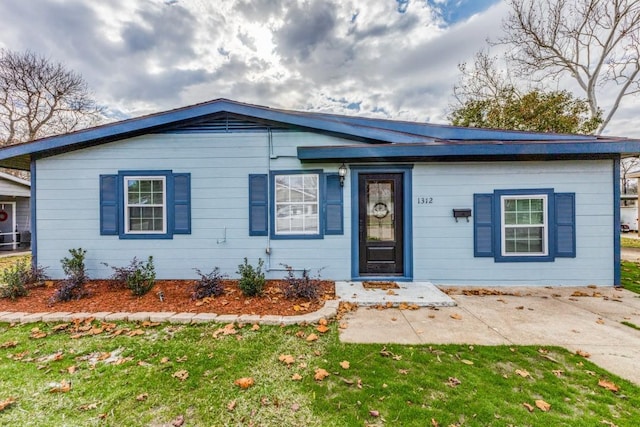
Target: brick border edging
x: 329, y: 310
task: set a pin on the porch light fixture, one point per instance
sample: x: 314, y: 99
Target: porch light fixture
x: 342, y: 172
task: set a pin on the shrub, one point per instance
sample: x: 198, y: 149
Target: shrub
x: 72, y: 287
x: 252, y: 278
x: 19, y: 278
x: 209, y: 284
x: 137, y: 276
x: 300, y: 287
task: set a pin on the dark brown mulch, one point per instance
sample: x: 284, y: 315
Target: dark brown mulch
x: 176, y: 296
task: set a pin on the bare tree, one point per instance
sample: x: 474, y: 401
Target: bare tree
x: 39, y: 98
x: 628, y: 166
x: 595, y: 42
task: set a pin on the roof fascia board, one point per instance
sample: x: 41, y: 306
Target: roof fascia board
x: 417, y: 151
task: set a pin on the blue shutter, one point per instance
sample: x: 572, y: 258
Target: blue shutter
x: 258, y: 205
x: 109, y: 205
x: 182, y: 203
x: 565, y: 225
x: 333, y: 210
x: 483, y: 225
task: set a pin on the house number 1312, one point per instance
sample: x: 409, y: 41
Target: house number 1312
x: 425, y: 200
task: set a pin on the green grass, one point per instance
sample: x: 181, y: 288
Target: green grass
x: 629, y: 242
x: 9, y: 261
x: 630, y: 276
x: 406, y: 385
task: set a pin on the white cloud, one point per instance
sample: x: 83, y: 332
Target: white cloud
x: 392, y: 59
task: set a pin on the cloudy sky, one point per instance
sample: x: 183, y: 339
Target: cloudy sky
x: 395, y: 59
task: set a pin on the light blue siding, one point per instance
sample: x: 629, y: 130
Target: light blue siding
x: 220, y: 164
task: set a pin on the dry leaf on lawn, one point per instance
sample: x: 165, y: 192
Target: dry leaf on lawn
x: 244, y: 382
x: 287, y: 359
x: 529, y: 407
x: 312, y: 337
x: 608, y: 385
x: 88, y: 406
x: 255, y: 327
x: 323, y: 321
x: 374, y: 413
x: 231, y: 405
x: 71, y: 369
x: 320, y: 374
x: 182, y: 374
x: 583, y: 354
x: 178, y: 421
x: 466, y: 361
x: 344, y: 364
x: 6, y: 403
x: 455, y: 316
x: 61, y: 387
x: 9, y: 344
x: 453, y: 382
x: 296, y: 377
x: 542, y: 405
x: 523, y: 373
x: 322, y: 329
x: 142, y: 397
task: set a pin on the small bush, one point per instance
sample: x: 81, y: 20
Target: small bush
x: 137, y: 276
x: 300, y: 287
x: 19, y: 278
x: 252, y: 278
x: 209, y: 285
x: 72, y: 287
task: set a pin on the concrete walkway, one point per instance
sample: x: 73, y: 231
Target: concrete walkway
x: 530, y: 316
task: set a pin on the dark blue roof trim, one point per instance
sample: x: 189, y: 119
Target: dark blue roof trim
x: 418, y: 151
x: 384, y: 137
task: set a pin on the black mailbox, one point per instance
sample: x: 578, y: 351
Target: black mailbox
x: 461, y: 213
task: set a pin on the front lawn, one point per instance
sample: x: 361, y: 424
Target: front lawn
x: 143, y: 374
x: 630, y: 276
x: 629, y: 242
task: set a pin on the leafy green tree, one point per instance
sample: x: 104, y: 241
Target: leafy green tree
x: 537, y: 111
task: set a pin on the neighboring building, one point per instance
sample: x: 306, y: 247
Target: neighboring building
x: 629, y: 212
x: 210, y: 184
x: 14, y: 212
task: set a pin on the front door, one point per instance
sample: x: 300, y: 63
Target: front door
x: 380, y: 224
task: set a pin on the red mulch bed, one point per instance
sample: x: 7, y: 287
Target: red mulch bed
x: 177, y: 297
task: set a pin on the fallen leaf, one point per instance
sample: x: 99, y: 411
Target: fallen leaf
x: 542, y: 405
x: 37, y: 334
x: 178, y: 421
x: 466, y: 361
x: 323, y: 322
x: 453, y: 382
x: 244, y: 383
x: 71, y: 369
x: 296, y: 377
x: 608, y: 385
x: 434, y: 423
x: 255, y: 327
x: 6, y: 403
x: 9, y: 344
x: 60, y: 327
x: 61, y: 387
x: 182, y: 359
x: 608, y: 423
x: 529, y: 407
x: 403, y: 371
x: 343, y: 325
x: 287, y: 359
x: 344, y: 364
x: 557, y: 372
x: 312, y: 337
x: 182, y: 374
x: 456, y: 316
x: 231, y: 405
x: 135, y: 332
x: 374, y: 413
x: 523, y: 373
x: 322, y: 329
x: 88, y: 406
x: 583, y: 354
x: 320, y: 374
x: 142, y: 397
x: 295, y: 407
x: 164, y: 360
x: 600, y: 321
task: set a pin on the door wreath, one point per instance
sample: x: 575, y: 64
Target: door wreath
x: 3, y: 216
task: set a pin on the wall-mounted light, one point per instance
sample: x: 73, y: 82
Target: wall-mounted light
x: 342, y: 172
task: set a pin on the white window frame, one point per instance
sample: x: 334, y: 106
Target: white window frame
x: 126, y: 180
x: 276, y: 205
x: 544, y: 226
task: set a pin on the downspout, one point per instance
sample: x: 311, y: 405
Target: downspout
x: 32, y: 201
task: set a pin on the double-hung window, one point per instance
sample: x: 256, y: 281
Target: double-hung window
x: 152, y: 204
x: 524, y: 225
x: 145, y: 204
x: 296, y: 203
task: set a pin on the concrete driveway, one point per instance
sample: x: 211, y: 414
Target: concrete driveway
x: 587, y: 319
